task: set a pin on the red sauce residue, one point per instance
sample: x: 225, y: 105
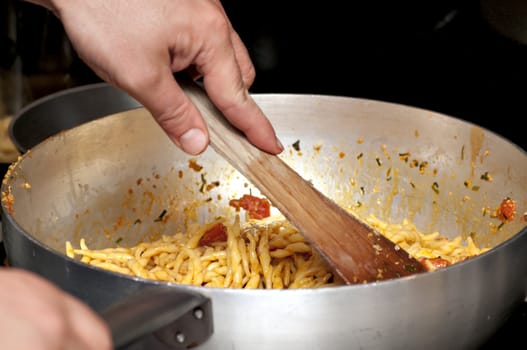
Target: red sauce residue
x: 218, y: 233
x: 507, y: 210
x: 193, y: 164
x: 257, y: 208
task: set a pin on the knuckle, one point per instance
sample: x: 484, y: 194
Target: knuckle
x: 217, y: 22
x: 142, y: 79
x: 175, y: 118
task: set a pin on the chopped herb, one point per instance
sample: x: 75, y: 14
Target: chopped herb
x: 137, y: 221
x: 118, y: 240
x: 404, y: 156
x: 362, y: 190
x: 296, y: 145
x: 435, y: 187
x: 359, y: 204
x: 359, y: 156
x: 410, y: 268
x: 412, y: 184
x: 378, y: 160
x: 486, y: 176
x: 160, y: 217
x: 423, y: 166
x: 501, y: 225
x: 463, y: 152
x: 208, y: 199
x: 203, y: 183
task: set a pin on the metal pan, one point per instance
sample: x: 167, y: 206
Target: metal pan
x: 66, y: 109
x: 78, y: 183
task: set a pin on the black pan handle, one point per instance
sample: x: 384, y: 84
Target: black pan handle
x: 172, y: 318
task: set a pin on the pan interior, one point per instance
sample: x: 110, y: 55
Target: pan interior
x: 120, y: 178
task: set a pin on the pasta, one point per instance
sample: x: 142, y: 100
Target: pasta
x: 268, y: 254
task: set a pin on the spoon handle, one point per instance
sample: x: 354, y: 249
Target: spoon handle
x: 357, y: 253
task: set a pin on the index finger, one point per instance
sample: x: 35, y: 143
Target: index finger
x: 224, y: 84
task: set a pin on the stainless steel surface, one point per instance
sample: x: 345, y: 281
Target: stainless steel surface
x: 80, y: 182
x: 65, y: 109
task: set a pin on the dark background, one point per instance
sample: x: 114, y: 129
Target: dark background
x: 437, y: 54
x: 441, y: 55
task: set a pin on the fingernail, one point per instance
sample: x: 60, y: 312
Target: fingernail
x: 279, y: 144
x: 193, y: 141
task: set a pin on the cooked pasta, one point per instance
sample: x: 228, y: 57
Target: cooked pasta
x: 433, y: 250
x: 268, y: 254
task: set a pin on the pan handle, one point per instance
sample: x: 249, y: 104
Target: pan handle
x: 177, y: 318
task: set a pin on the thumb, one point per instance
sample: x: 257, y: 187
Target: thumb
x: 175, y: 113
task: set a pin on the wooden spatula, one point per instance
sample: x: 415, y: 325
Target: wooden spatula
x: 357, y: 253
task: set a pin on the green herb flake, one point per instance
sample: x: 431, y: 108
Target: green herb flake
x: 359, y: 156
x: 404, y: 156
x: 486, y: 176
x: 203, y: 183
x: 423, y: 166
x: 296, y: 145
x: 137, y: 221
x: 378, y: 160
x: 118, y: 240
x: 435, y: 187
x: 410, y: 268
x: 160, y: 217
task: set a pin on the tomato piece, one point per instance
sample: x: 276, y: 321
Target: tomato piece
x: 432, y: 264
x: 257, y: 208
x: 507, y: 210
x: 217, y: 233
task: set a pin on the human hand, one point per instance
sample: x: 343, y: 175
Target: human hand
x: 136, y: 45
x: 39, y: 316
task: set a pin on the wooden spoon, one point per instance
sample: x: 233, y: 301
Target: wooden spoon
x: 357, y: 253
